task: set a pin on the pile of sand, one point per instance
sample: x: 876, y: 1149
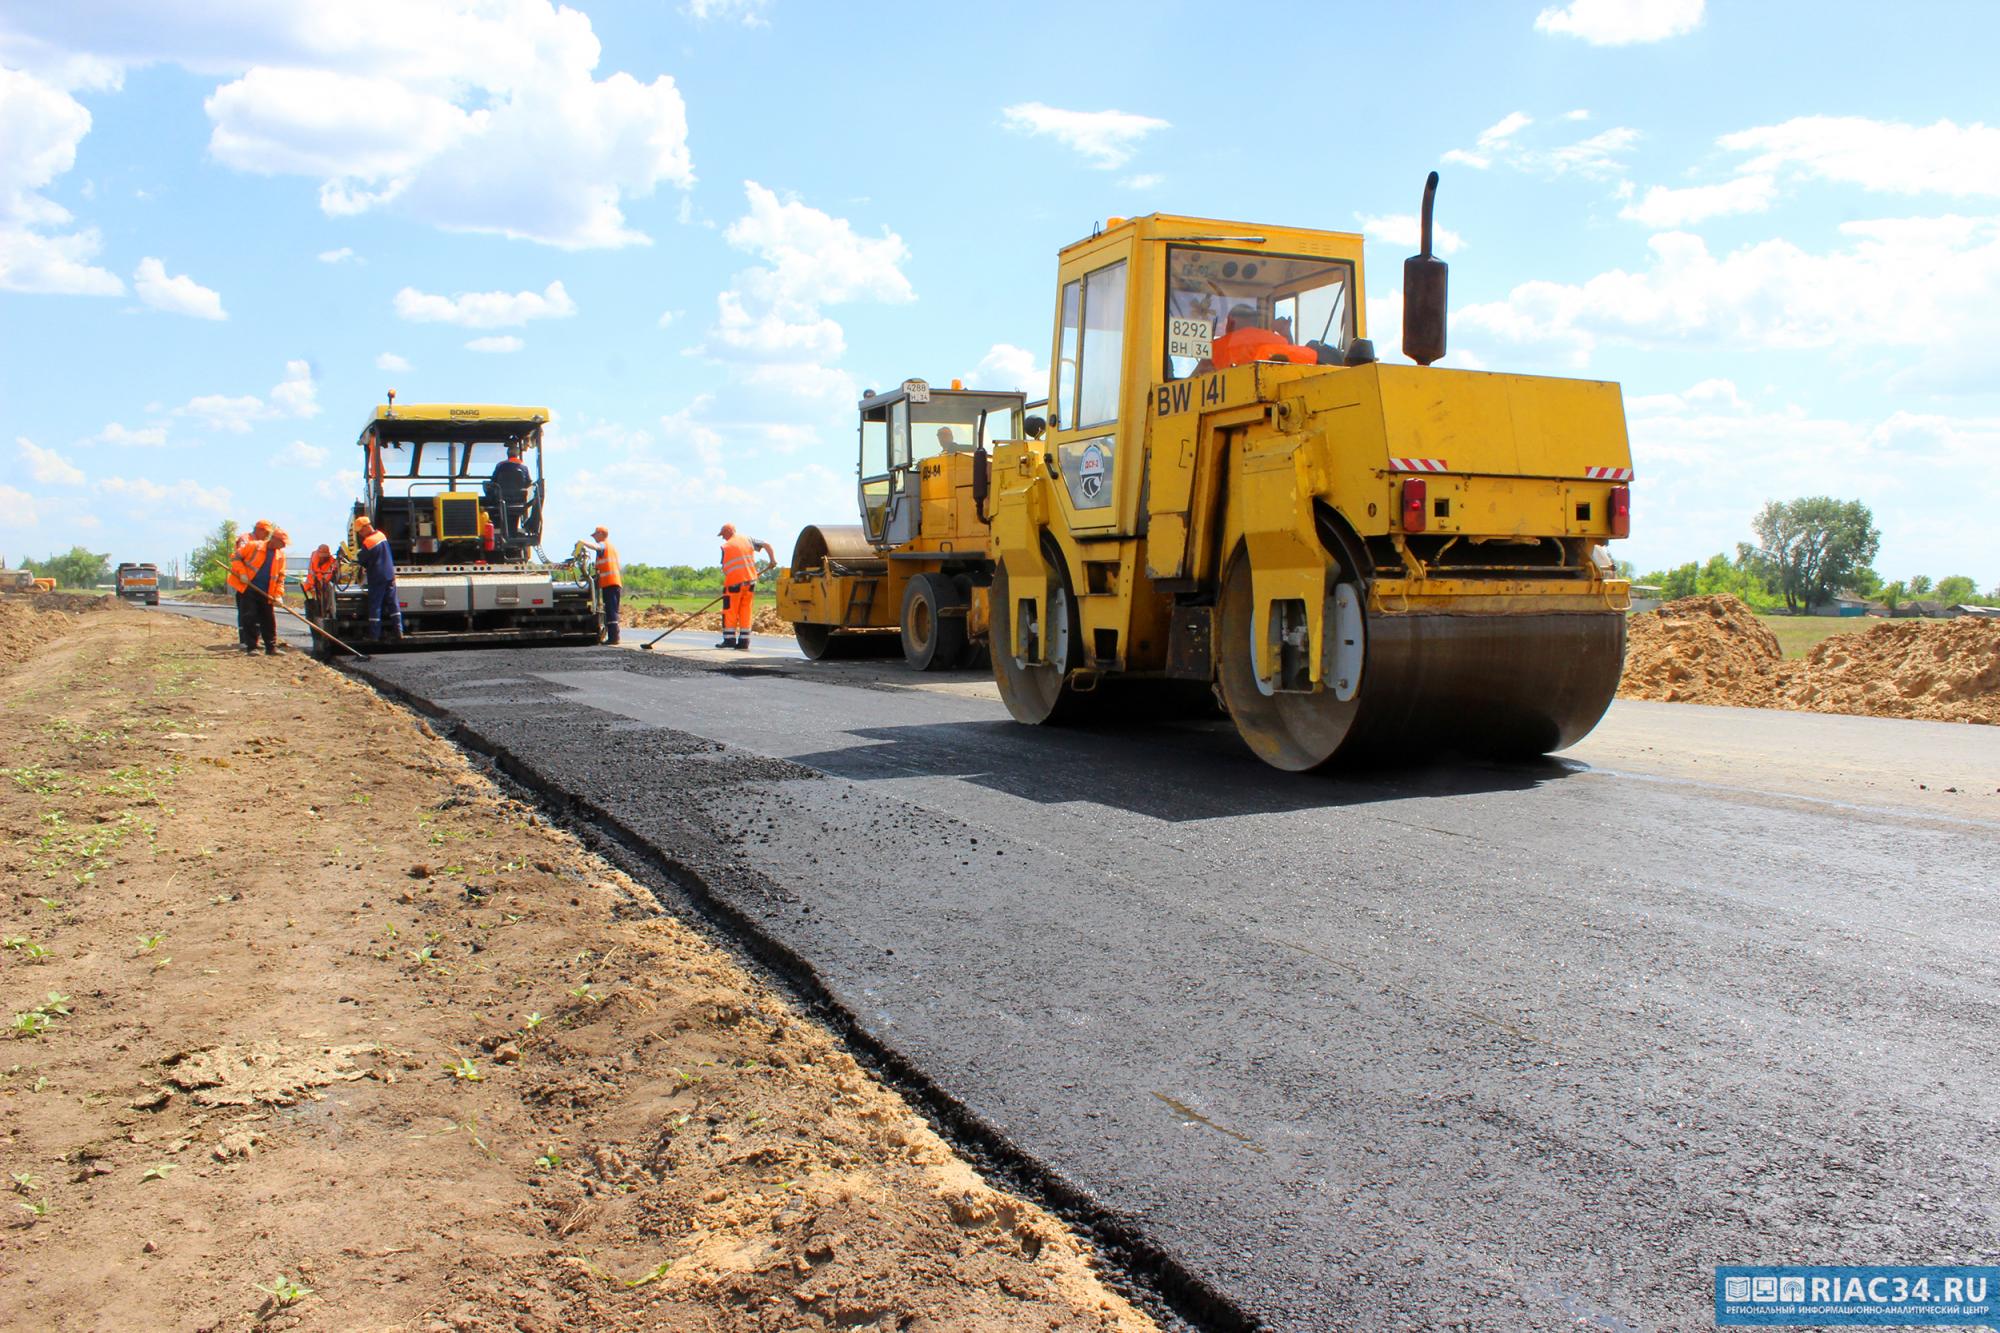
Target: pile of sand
x: 1944, y: 670
x: 1712, y: 650
x: 28, y: 620
x: 1701, y: 650
x: 765, y: 620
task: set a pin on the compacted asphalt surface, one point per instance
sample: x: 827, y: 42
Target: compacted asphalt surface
x: 1496, y: 1046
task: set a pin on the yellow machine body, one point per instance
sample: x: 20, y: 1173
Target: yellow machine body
x: 1250, y: 526
x: 912, y: 576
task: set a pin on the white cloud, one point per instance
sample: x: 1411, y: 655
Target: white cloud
x: 1502, y: 132
x: 503, y: 343
x: 1708, y: 456
x: 814, y: 257
x: 1407, y: 229
x: 146, y: 437
x: 1106, y: 138
x: 1596, y: 156
x: 1578, y: 114
x: 1884, y: 156
x: 180, y: 495
x: 46, y: 465
x: 485, y: 310
x: 1895, y: 283
x: 472, y: 117
x: 770, y: 336
x: 180, y: 295
x: 750, y: 13
x: 667, y: 317
x: 1145, y: 180
x: 299, y: 454
x: 341, y: 256
x: 392, y: 363
x: 40, y: 127
x: 1621, y: 22
x: 296, y: 395
x: 338, y: 488
x: 18, y: 508
x: 1662, y: 207
x: 1006, y: 366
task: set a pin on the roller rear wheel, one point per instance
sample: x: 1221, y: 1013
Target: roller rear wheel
x: 1038, y: 692
x: 933, y: 622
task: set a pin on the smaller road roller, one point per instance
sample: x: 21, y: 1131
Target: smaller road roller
x: 912, y: 576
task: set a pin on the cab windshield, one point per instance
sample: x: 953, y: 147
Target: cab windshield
x: 415, y: 467
x: 1213, y: 293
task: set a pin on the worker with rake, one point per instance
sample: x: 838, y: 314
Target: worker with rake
x: 739, y: 584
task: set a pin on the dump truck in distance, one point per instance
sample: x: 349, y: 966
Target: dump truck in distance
x: 458, y: 490
x: 137, y: 583
x: 1356, y: 559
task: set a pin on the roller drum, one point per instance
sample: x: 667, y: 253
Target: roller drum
x: 845, y: 544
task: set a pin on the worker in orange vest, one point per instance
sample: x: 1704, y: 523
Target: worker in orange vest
x: 318, y: 582
x: 378, y: 568
x: 1247, y: 340
x: 246, y: 606
x: 739, y: 584
x: 257, y: 577
x: 610, y: 584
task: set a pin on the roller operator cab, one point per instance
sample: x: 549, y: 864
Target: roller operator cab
x: 912, y: 575
x: 1356, y: 558
x: 464, y: 523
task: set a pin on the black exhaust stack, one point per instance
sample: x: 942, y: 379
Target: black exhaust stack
x: 1424, y: 293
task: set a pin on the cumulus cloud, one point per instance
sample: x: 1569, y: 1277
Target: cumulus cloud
x: 149, y: 437
x: 486, y: 117
x: 341, y: 256
x: 506, y: 342
x: 1006, y: 366
x: 46, y: 465
x: 295, y: 395
x: 1595, y: 156
x: 1884, y: 156
x: 39, y: 252
x: 812, y: 257
x: 1663, y: 208
x: 18, y: 508
x: 485, y: 310
x: 750, y: 13
x: 1106, y: 139
x: 1145, y: 180
x: 1621, y: 22
x: 178, y: 495
x: 1407, y: 229
x: 392, y: 363
x: 299, y: 454
x: 179, y: 295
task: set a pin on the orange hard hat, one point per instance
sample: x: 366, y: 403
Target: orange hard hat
x: 261, y: 528
x: 728, y: 530
x: 600, y: 531
x: 323, y: 549
x: 362, y: 523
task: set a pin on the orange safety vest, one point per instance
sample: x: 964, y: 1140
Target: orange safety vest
x: 319, y: 573
x: 1246, y: 345
x: 243, y: 568
x: 739, y: 561
x: 373, y: 540
x: 607, y: 568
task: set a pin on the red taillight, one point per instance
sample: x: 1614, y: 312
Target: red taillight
x: 1621, y: 511
x: 1416, y: 504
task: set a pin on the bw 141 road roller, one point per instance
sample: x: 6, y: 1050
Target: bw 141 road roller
x: 1231, y: 490
x: 913, y: 575
x: 457, y: 488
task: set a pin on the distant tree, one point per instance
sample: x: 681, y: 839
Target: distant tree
x: 1623, y: 569
x: 1866, y: 581
x: 1955, y: 589
x: 208, y: 563
x: 1919, y: 584
x: 77, y: 568
x: 1815, y: 544
x: 1677, y: 582
x: 1892, y: 594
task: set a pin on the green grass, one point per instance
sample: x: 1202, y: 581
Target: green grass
x: 1798, y: 634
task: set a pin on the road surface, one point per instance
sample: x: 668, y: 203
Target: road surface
x: 1522, y: 1046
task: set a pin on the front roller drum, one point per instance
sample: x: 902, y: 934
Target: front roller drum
x: 1496, y: 685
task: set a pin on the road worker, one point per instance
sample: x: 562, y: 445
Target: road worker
x: 739, y: 584
x: 1248, y: 340
x: 610, y: 584
x: 257, y: 577
x: 318, y: 582
x: 378, y: 568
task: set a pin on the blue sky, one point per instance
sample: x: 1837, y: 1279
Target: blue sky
x: 697, y: 230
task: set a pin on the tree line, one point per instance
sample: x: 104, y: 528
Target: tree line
x: 1808, y: 552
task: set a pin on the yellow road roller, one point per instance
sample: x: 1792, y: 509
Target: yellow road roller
x: 1357, y: 559
x: 912, y: 576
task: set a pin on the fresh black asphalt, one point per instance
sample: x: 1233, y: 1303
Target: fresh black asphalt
x: 1498, y: 1047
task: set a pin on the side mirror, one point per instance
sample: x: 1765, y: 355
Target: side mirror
x: 1035, y: 426
x: 1424, y: 293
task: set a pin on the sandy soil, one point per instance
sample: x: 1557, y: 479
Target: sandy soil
x: 298, y: 997
x: 764, y: 619
x: 1712, y: 650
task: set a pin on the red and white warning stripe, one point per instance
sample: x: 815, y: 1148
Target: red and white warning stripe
x: 1608, y: 473
x: 1418, y: 465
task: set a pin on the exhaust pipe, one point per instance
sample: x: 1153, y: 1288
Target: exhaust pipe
x: 1424, y: 293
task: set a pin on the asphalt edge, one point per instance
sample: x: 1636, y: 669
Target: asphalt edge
x: 1142, y: 1269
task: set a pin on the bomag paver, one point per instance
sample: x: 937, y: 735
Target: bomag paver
x: 913, y: 574
x: 1357, y: 558
x: 468, y: 566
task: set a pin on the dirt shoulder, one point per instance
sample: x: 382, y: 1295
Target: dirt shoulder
x: 299, y: 997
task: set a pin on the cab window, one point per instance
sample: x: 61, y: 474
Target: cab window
x: 1103, y: 345
x: 1212, y: 293
x: 1066, y: 354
